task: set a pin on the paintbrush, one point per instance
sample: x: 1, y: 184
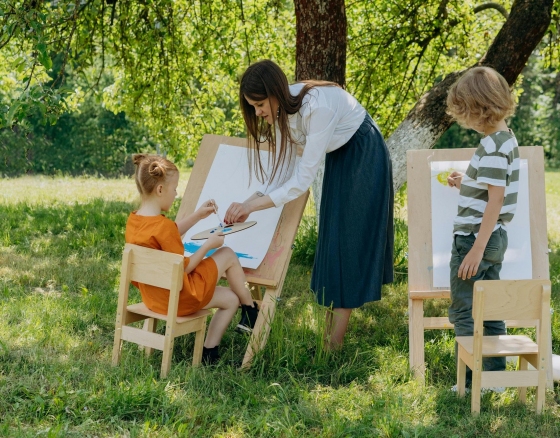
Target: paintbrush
x: 216, y: 211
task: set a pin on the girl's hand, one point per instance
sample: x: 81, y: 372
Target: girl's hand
x: 237, y: 213
x: 454, y: 179
x: 206, y: 209
x: 215, y: 241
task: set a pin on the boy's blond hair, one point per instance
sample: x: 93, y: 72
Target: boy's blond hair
x: 482, y: 96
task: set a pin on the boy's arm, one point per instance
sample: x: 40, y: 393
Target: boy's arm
x: 470, y: 264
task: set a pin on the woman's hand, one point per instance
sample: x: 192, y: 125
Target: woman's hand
x: 237, y: 213
x: 215, y: 241
x: 454, y: 179
x: 206, y: 209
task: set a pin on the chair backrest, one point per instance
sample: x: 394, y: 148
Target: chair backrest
x: 495, y: 300
x: 152, y: 266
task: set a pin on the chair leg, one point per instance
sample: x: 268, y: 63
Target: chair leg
x: 541, y: 391
x: 167, y: 351
x: 199, y: 343
x: 475, y: 388
x: 117, y: 343
x: 461, y: 376
x: 150, y: 325
x: 522, y: 365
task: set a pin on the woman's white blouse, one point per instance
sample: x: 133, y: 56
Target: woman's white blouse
x: 328, y: 118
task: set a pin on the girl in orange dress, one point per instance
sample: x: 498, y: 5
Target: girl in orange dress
x: 157, y: 179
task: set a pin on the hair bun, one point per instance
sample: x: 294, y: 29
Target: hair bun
x: 156, y: 170
x: 138, y: 158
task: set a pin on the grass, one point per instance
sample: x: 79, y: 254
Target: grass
x: 60, y: 247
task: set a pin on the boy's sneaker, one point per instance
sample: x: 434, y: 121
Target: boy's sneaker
x: 210, y: 356
x: 248, y: 318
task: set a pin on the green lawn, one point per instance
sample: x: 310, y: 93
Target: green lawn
x: 60, y: 247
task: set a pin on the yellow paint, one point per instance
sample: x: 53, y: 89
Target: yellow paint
x: 442, y: 176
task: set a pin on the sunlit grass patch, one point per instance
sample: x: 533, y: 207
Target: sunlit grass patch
x: 59, y: 273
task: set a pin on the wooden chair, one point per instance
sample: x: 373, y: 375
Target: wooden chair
x: 165, y: 270
x: 498, y: 300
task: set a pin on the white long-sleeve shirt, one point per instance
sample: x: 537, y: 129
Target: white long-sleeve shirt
x: 327, y: 119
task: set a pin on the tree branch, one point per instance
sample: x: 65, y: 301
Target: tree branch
x: 492, y: 5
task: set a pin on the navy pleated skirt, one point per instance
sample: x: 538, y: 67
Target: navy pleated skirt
x: 354, y: 256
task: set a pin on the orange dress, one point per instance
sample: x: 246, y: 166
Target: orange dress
x: 159, y: 232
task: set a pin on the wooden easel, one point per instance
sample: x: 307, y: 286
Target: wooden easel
x: 272, y: 271
x: 420, y: 280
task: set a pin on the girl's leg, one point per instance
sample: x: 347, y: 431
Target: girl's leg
x: 336, y: 325
x: 227, y: 304
x: 228, y: 263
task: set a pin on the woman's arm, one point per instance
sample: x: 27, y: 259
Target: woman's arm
x: 239, y: 212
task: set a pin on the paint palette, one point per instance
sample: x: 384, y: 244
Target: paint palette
x: 226, y: 229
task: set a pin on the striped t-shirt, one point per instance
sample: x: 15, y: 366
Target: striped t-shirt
x: 495, y: 162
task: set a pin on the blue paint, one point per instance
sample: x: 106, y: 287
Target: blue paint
x: 226, y: 230
x: 192, y: 247
x: 212, y: 231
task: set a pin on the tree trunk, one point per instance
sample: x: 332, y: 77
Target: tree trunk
x: 427, y: 121
x: 320, y: 53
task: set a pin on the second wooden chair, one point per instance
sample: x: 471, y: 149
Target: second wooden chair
x: 506, y: 300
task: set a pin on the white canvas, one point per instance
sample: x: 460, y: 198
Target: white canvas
x: 517, y: 262
x: 227, y: 182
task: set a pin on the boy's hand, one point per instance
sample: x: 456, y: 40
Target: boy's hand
x: 470, y: 264
x: 215, y: 241
x: 206, y: 209
x: 454, y: 179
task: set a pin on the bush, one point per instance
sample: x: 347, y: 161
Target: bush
x: 92, y: 141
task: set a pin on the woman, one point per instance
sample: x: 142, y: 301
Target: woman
x: 354, y: 255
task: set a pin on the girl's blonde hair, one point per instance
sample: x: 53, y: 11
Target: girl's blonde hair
x: 481, y: 95
x: 151, y: 170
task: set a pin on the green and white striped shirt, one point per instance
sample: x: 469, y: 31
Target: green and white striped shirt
x: 496, y: 163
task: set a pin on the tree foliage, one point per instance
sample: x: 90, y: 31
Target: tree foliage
x: 175, y: 63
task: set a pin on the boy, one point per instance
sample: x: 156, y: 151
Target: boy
x: 481, y: 100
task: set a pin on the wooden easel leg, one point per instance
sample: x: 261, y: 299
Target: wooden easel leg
x: 416, y: 337
x: 262, y: 326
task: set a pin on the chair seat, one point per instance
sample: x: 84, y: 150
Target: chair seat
x: 141, y: 309
x: 502, y: 345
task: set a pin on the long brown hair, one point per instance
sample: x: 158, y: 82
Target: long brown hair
x: 262, y: 80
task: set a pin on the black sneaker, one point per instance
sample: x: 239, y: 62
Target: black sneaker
x: 210, y: 356
x: 248, y: 317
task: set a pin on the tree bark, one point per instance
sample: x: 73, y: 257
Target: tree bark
x: 321, y: 40
x: 427, y: 121
x: 320, y: 53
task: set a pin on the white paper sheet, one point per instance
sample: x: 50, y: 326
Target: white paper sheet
x: 227, y: 182
x: 517, y: 262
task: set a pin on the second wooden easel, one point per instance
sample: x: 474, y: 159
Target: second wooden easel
x: 420, y: 260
